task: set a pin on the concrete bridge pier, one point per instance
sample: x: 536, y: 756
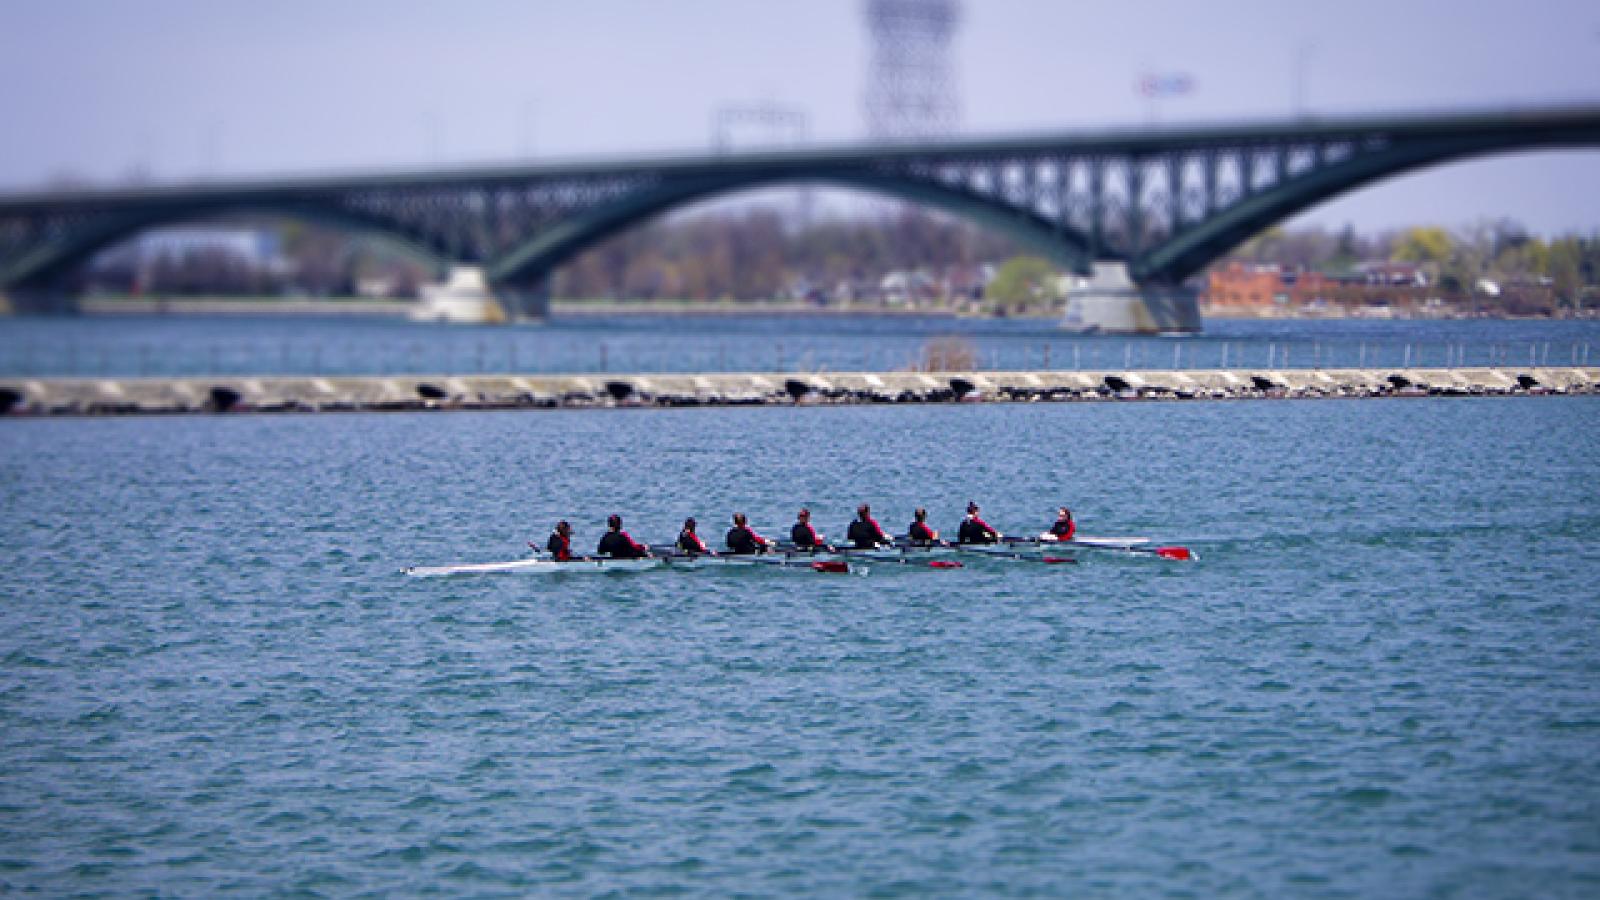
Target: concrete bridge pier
x: 528, y: 302
x: 463, y: 296
x: 466, y: 295
x: 1111, y: 302
x: 49, y: 299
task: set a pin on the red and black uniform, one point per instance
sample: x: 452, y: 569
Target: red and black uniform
x: 559, y: 547
x: 690, y: 543
x: 742, y: 539
x: 804, y: 536
x: 865, y: 533
x: 920, y: 533
x: 1064, y: 528
x: 976, y: 531
x: 618, y: 545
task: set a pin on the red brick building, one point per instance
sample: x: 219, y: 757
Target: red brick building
x: 1261, y: 288
x: 1244, y: 287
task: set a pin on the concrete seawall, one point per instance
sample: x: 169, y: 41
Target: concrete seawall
x: 240, y: 394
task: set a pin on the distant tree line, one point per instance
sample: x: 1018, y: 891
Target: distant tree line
x: 754, y: 253
x: 1495, y: 264
x: 763, y: 253
x: 759, y: 254
x: 312, y: 261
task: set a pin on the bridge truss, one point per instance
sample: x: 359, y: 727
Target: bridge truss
x: 1166, y: 203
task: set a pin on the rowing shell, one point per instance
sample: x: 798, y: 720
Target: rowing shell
x: 821, y: 561
x: 837, y: 560
x: 1134, y: 545
x: 536, y: 566
x: 542, y: 565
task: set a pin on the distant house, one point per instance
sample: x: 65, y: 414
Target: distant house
x: 1245, y: 286
x: 904, y: 288
x: 1260, y: 289
x: 1394, y: 273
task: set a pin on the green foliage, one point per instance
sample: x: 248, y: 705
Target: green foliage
x: 1424, y: 245
x: 1534, y: 275
x: 1264, y: 245
x: 1566, y: 259
x: 1346, y: 254
x: 1022, y: 282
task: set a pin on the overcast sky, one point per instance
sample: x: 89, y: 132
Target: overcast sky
x: 186, y: 88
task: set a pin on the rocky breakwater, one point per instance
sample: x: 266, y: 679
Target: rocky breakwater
x: 159, y: 396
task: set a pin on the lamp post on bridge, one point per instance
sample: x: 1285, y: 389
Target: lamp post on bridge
x: 1303, y: 52
x: 1155, y: 87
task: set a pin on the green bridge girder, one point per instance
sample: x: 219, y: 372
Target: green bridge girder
x: 1165, y: 201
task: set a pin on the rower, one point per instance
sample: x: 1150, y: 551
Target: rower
x: 974, y: 530
x: 560, y: 544
x: 864, y: 532
x: 803, y: 535
x: 617, y: 544
x: 689, y: 542
x: 743, y: 539
x: 1064, y: 528
x: 920, y: 533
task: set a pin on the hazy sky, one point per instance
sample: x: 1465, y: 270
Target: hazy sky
x: 186, y: 88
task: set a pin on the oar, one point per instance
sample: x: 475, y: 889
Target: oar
x: 791, y: 547
x: 1047, y: 560
x: 1172, y: 552
x: 905, y: 560
x: 776, y: 558
x: 905, y: 546
x: 787, y: 561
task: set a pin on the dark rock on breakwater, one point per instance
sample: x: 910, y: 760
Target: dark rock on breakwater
x: 265, y: 394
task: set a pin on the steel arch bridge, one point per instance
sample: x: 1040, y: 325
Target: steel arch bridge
x: 1164, y: 202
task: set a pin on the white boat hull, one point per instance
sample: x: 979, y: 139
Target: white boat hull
x: 1043, y: 548
x: 536, y: 566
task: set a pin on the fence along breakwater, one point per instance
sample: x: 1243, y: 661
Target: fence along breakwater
x: 305, y: 394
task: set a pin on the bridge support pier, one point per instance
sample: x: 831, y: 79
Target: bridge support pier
x: 526, y: 302
x: 1111, y: 302
x: 464, y: 296
x: 38, y: 300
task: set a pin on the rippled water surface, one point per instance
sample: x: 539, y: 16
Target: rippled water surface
x: 128, y: 346
x: 1382, y: 678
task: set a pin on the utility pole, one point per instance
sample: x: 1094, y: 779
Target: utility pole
x: 525, y: 130
x: 1302, y: 64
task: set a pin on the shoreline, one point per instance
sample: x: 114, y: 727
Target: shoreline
x: 24, y: 398
x: 400, y: 309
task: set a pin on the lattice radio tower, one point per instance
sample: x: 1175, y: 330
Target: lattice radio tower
x: 911, y: 92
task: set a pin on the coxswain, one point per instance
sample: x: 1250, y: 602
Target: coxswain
x: 803, y: 535
x: 560, y: 544
x: 742, y: 539
x: 1064, y: 528
x: 920, y: 533
x: 617, y: 544
x: 974, y: 530
x: 864, y: 532
x: 689, y: 542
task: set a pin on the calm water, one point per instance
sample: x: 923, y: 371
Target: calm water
x: 149, y: 345
x: 1382, y: 679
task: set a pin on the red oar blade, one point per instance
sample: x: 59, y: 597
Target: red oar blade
x: 1174, y: 553
x: 831, y: 565
x: 1054, y: 560
x: 945, y: 564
